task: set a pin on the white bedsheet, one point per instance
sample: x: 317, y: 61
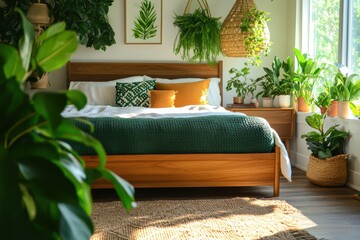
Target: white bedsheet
x: 184, y: 112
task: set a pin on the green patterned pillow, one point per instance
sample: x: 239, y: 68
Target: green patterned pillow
x: 134, y: 94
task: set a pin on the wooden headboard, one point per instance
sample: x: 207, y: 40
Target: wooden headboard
x: 105, y: 71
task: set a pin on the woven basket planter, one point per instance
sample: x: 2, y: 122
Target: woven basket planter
x: 232, y: 39
x: 330, y: 172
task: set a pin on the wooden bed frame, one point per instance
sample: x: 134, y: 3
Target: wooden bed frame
x: 178, y: 170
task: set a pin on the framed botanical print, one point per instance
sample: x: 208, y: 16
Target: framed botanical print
x: 143, y: 21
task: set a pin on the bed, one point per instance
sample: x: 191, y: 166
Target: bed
x: 153, y: 170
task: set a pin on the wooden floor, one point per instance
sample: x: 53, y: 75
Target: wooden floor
x: 331, y: 213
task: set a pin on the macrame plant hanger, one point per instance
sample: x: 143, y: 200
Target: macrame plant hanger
x: 203, y: 4
x: 231, y: 38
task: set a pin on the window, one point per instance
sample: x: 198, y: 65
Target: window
x: 332, y: 31
x: 354, y: 60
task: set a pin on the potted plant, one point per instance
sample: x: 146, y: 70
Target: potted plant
x: 349, y: 91
x: 323, y: 101
x: 257, y: 38
x: 273, y: 84
x: 240, y: 82
x: 245, y: 32
x: 267, y: 86
x: 44, y: 186
x: 327, y: 164
x: 199, y: 35
x: 304, y: 80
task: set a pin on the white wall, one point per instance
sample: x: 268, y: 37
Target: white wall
x: 278, y: 26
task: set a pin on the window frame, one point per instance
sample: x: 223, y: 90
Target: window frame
x: 345, y: 15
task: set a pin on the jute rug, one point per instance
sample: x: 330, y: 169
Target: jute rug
x: 235, y: 218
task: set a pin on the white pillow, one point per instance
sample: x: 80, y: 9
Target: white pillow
x: 102, y: 93
x: 214, y: 97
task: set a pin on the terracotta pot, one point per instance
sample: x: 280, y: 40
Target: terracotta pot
x: 343, y: 109
x: 302, y: 106
x: 331, y: 172
x: 238, y: 100
x: 333, y: 109
x: 284, y: 101
x: 267, y: 102
x: 323, y: 110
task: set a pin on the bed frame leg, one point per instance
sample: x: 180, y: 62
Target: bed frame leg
x: 276, y: 187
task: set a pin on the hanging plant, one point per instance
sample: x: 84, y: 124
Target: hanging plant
x: 88, y: 18
x: 256, y: 37
x: 199, y: 35
x: 245, y: 33
x: 145, y: 22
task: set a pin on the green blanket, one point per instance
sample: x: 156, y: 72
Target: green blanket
x: 207, y: 134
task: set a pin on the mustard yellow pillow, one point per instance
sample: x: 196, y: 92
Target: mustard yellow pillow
x: 162, y: 98
x: 192, y: 93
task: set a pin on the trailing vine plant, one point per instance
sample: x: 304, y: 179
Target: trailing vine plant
x: 144, y: 26
x: 254, y: 25
x: 199, y: 35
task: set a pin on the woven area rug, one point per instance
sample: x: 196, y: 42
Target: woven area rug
x: 235, y: 218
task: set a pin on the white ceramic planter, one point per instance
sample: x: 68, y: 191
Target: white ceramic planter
x: 267, y: 102
x: 284, y: 101
x: 276, y: 101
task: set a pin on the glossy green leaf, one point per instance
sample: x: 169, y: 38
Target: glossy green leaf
x: 12, y: 64
x: 52, y: 30
x: 26, y: 42
x: 35, y: 149
x: 50, y: 105
x: 124, y: 190
x: 77, y: 98
x: 56, y: 51
x: 74, y: 223
x: 69, y: 132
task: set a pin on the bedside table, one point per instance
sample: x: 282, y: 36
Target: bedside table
x: 280, y: 119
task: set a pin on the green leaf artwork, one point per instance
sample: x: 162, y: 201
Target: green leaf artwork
x: 144, y: 25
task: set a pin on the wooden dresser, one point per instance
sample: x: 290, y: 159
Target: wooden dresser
x: 280, y: 119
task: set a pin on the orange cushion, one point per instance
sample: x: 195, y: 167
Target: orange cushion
x: 191, y: 93
x: 162, y: 98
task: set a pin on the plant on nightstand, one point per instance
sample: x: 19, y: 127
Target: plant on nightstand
x: 327, y: 164
x: 240, y: 82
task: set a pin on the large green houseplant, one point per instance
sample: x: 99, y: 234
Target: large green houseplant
x: 88, y: 18
x: 44, y: 184
x: 328, y: 163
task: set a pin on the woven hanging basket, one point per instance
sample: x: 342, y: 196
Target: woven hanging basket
x: 232, y: 39
x: 330, y: 172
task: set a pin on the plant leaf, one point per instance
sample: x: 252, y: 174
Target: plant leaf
x: 11, y: 62
x: 124, y: 190
x: 74, y: 223
x: 50, y: 105
x: 56, y: 51
x: 26, y: 42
